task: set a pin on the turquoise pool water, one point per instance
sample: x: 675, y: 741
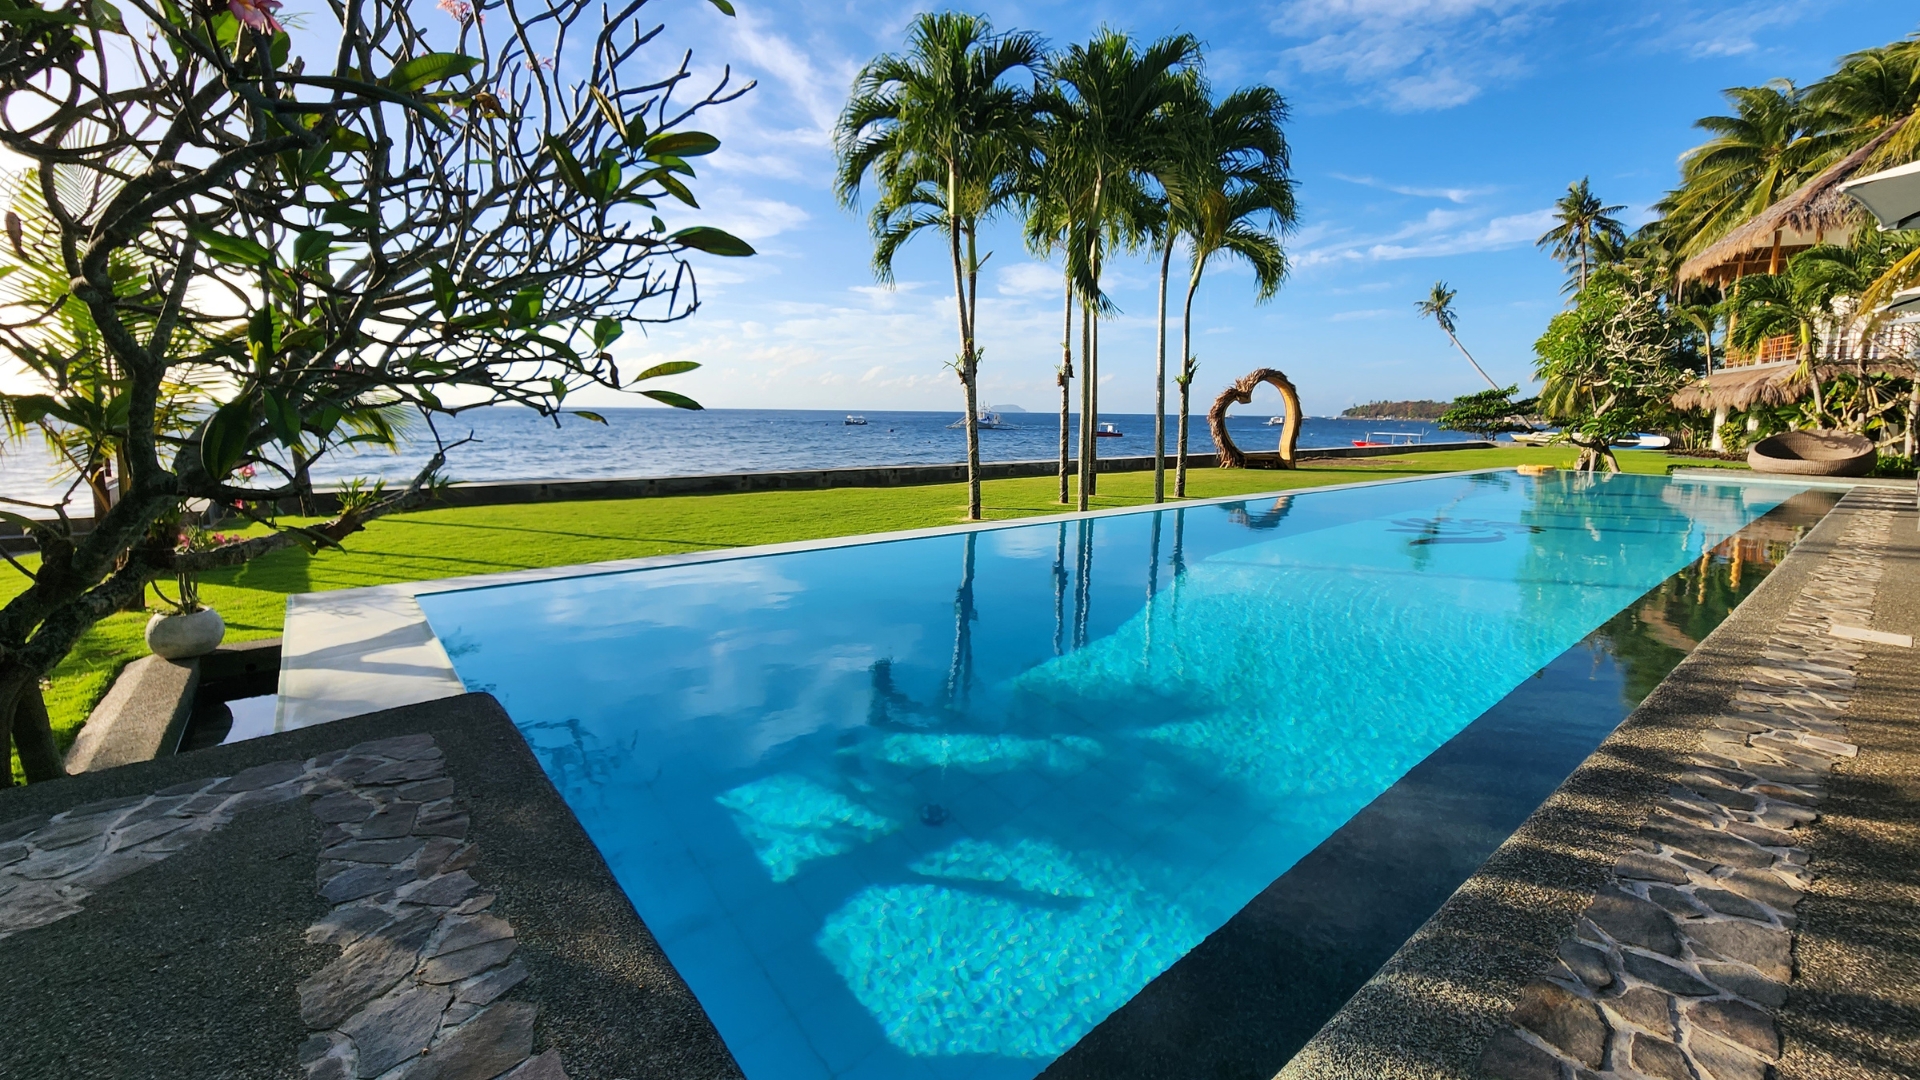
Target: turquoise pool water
x: 936, y: 807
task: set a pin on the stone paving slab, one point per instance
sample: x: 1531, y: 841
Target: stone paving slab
x: 401, y: 896
x: 1642, y: 924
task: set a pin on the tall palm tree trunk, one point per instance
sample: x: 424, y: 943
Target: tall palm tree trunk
x: 967, y: 367
x: 1186, y: 384
x: 1471, y: 360
x: 1093, y: 381
x: 1086, y: 402
x: 1160, y: 377
x: 1065, y: 378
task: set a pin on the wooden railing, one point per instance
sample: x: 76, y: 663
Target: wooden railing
x: 1772, y: 350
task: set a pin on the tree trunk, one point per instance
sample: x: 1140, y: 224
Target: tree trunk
x: 1471, y: 360
x: 973, y: 381
x: 1086, y: 402
x: 1065, y: 377
x: 972, y: 419
x: 1186, y: 372
x: 32, y: 731
x: 1160, y: 378
x: 1718, y: 445
x: 1093, y: 385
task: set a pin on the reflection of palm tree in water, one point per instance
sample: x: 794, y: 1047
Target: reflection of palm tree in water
x: 960, y: 668
x: 1060, y: 591
x: 1083, y: 572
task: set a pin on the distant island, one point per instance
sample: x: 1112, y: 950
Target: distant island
x: 1397, y: 410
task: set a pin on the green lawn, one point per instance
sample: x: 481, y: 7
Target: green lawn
x: 479, y: 540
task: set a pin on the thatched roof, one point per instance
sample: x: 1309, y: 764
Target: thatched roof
x: 1816, y: 212
x: 1741, y: 388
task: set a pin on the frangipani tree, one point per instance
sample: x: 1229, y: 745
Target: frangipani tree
x: 382, y: 206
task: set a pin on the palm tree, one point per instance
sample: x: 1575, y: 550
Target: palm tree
x: 1874, y: 93
x: 1773, y: 142
x: 1438, y: 306
x: 1229, y: 190
x: 942, y: 129
x: 1582, y: 220
x: 1104, y: 105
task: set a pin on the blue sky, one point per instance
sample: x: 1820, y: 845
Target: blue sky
x: 1429, y: 140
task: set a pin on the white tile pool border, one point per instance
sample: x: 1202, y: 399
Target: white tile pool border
x: 353, y: 651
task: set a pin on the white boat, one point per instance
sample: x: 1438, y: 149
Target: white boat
x: 988, y: 420
x: 1108, y: 431
x: 1276, y: 421
x: 1533, y: 438
x: 1644, y: 440
x: 1392, y: 438
x: 854, y: 420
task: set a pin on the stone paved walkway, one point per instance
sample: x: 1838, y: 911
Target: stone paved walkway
x: 417, y: 990
x: 1675, y: 970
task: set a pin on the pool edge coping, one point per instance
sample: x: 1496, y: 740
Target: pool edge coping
x: 347, y: 652
x: 1442, y: 997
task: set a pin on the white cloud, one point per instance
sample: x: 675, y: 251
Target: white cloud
x: 1440, y: 233
x: 751, y: 218
x: 1724, y: 30
x: 1451, y: 194
x: 1029, y: 279
x: 1411, y: 55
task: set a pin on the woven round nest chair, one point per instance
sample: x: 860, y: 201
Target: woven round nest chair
x: 1813, y: 453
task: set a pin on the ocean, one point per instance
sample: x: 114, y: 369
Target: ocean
x: 515, y: 444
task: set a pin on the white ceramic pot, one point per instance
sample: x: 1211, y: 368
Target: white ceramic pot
x: 182, y: 637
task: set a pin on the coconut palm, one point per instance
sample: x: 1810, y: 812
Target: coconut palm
x: 1772, y: 143
x: 1104, y: 107
x: 1229, y: 191
x: 1874, y: 94
x: 1798, y: 303
x: 943, y: 129
x: 1581, y: 221
x: 1438, y: 306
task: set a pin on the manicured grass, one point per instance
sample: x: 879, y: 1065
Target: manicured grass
x: 479, y: 540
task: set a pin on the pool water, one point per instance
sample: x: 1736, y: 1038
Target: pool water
x: 936, y: 807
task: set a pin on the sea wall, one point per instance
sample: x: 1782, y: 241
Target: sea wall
x: 508, y: 492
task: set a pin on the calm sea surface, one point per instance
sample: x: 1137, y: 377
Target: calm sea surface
x: 515, y: 444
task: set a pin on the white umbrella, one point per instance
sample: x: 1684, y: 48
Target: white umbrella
x: 1906, y: 302
x: 1892, y: 195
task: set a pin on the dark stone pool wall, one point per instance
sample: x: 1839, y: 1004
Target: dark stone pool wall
x: 1556, y: 960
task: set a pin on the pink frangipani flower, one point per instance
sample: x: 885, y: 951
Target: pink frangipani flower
x: 461, y: 10
x: 257, y: 14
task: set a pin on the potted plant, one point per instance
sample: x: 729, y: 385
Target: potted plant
x: 191, y: 629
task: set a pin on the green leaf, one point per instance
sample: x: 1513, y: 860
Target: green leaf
x: 351, y: 216
x: 346, y: 139
x: 525, y: 306
x: 558, y: 387
x: 658, y: 225
x: 444, y: 296
x: 223, y: 440
x: 261, y: 332
x: 104, y: 17
x: 676, y: 189
x: 671, y: 367
x: 683, y: 144
x: 431, y: 68
x: 33, y: 408
x: 606, y: 331
x: 608, y: 110
x: 279, y: 49
x: 312, y: 246
x: 230, y: 249
x: 283, y: 418
x: 725, y: 7
x: 566, y: 164
x: 636, y: 132
x: 593, y: 416
x: 668, y: 397
x: 712, y: 241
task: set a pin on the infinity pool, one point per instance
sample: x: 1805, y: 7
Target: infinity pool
x: 936, y: 807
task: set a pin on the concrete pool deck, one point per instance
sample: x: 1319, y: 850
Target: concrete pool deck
x: 1617, y: 932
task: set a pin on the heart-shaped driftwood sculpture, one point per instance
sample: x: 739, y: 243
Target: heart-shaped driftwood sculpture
x: 1241, y: 393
